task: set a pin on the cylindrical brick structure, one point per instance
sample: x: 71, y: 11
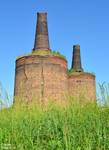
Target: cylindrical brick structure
x: 82, y: 85
x: 76, y: 59
x: 41, y: 36
x: 41, y: 77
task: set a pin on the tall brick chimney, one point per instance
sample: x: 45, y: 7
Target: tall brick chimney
x: 41, y: 36
x: 76, y: 59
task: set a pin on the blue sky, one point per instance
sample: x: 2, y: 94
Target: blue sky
x: 84, y: 22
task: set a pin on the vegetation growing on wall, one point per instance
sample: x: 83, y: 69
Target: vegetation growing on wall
x: 74, y: 72
x: 44, y: 53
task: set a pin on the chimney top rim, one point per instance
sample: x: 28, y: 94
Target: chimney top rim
x: 76, y: 46
x: 41, y: 13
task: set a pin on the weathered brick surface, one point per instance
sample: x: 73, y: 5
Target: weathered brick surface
x: 45, y: 77
x: 41, y: 37
x: 41, y: 77
x: 82, y: 85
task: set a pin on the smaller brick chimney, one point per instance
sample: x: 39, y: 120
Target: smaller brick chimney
x: 41, y: 36
x: 76, y: 59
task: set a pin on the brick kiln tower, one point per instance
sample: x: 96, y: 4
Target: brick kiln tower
x: 43, y: 74
x: 80, y: 83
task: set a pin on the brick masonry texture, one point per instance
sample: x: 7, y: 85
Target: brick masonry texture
x: 41, y: 77
x: 41, y: 37
x: 82, y: 85
x: 45, y: 77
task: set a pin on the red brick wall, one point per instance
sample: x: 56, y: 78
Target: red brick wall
x: 45, y: 77
x: 41, y: 77
x: 82, y: 85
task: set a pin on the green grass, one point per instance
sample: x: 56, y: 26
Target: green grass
x: 55, y: 127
